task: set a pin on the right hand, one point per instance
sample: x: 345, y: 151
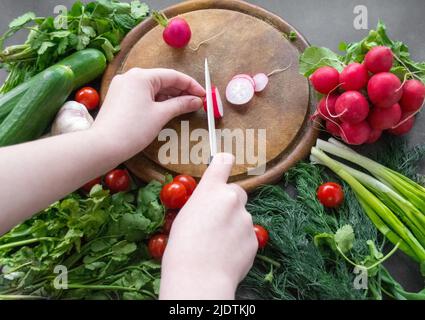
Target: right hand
x: 212, y: 244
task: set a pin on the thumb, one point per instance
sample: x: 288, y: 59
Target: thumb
x: 220, y: 168
x: 180, y: 105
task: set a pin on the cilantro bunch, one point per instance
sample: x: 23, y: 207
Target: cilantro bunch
x: 100, y: 240
x: 101, y: 24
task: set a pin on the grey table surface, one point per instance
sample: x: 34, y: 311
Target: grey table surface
x: 322, y: 22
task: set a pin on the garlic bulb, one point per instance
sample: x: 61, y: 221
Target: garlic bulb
x: 73, y: 116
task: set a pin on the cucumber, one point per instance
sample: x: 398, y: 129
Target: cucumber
x: 38, y: 106
x: 87, y: 65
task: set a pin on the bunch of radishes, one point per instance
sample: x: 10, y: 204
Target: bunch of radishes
x: 366, y: 99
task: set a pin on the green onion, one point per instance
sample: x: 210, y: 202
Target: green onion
x: 393, y: 202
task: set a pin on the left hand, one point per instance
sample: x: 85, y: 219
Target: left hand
x: 141, y: 102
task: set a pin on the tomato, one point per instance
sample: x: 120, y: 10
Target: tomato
x: 89, y: 185
x: 118, y: 181
x: 169, y: 220
x: 89, y: 97
x: 189, y: 183
x: 157, y: 245
x: 330, y: 194
x: 174, y: 195
x: 262, y: 236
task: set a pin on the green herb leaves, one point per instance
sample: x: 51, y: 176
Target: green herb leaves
x: 100, y: 24
x: 100, y: 240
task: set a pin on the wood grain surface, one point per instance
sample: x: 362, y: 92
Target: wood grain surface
x: 250, y: 40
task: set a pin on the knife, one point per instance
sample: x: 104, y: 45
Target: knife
x: 210, y: 113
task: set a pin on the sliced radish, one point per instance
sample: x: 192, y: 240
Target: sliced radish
x: 245, y: 76
x: 239, y: 91
x: 217, y: 103
x: 261, y: 81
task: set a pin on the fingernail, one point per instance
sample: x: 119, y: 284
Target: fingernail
x: 225, y: 158
x: 196, y: 103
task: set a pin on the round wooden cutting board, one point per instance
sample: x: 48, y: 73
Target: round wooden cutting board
x: 251, y: 40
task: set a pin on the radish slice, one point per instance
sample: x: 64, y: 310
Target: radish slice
x: 217, y: 103
x: 261, y: 81
x: 245, y: 76
x: 239, y: 91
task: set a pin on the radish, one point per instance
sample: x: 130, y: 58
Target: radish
x: 355, y: 134
x: 239, y: 91
x: 379, y: 59
x: 245, y: 76
x: 413, y: 96
x: 217, y: 103
x: 354, y: 77
x: 406, y: 125
x: 333, y: 128
x: 384, y: 90
x: 326, y: 107
x: 383, y: 119
x: 177, y: 33
x: 374, y: 136
x: 352, y: 107
x: 261, y: 81
x: 325, y: 79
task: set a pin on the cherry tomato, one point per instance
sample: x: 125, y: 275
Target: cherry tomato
x: 330, y: 194
x: 89, y: 97
x: 188, y: 182
x: 157, y: 245
x: 169, y: 220
x: 174, y: 195
x: 89, y: 185
x: 262, y: 236
x: 118, y: 181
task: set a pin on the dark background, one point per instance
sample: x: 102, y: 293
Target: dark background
x: 323, y: 22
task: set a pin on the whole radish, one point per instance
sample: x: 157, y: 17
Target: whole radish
x: 406, y: 125
x: 352, y: 107
x: 326, y: 106
x: 413, y: 96
x: 374, y: 136
x: 383, y: 119
x: 355, y: 134
x: 333, y: 128
x: 325, y: 79
x: 354, y: 77
x: 379, y: 59
x: 177, y: 33
x: 384, y: 90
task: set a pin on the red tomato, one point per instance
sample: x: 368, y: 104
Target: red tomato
x: 188, y: 182
x: 89, y: 97
x: 330, y: 194
x: 262, y: 236
x: 157, y: 245
x: 174, y: 195
x: 169, y: 220
x: 118, y: 181
x: 89, y: 185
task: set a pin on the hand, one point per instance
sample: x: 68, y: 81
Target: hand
x: 212, y: 244
x: 141, y: 102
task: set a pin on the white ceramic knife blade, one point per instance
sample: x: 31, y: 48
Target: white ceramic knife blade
x: 210, y: 112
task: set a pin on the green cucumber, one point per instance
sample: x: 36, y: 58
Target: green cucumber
x: 87, y: 65
x: 38, y: 106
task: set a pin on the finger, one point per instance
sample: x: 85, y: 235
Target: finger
x: 180, y: 105
x: 161, y: 97
x: 173, y: 92
x: 220, y: 168
x: 167, y: 78
x: 242, y: 195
